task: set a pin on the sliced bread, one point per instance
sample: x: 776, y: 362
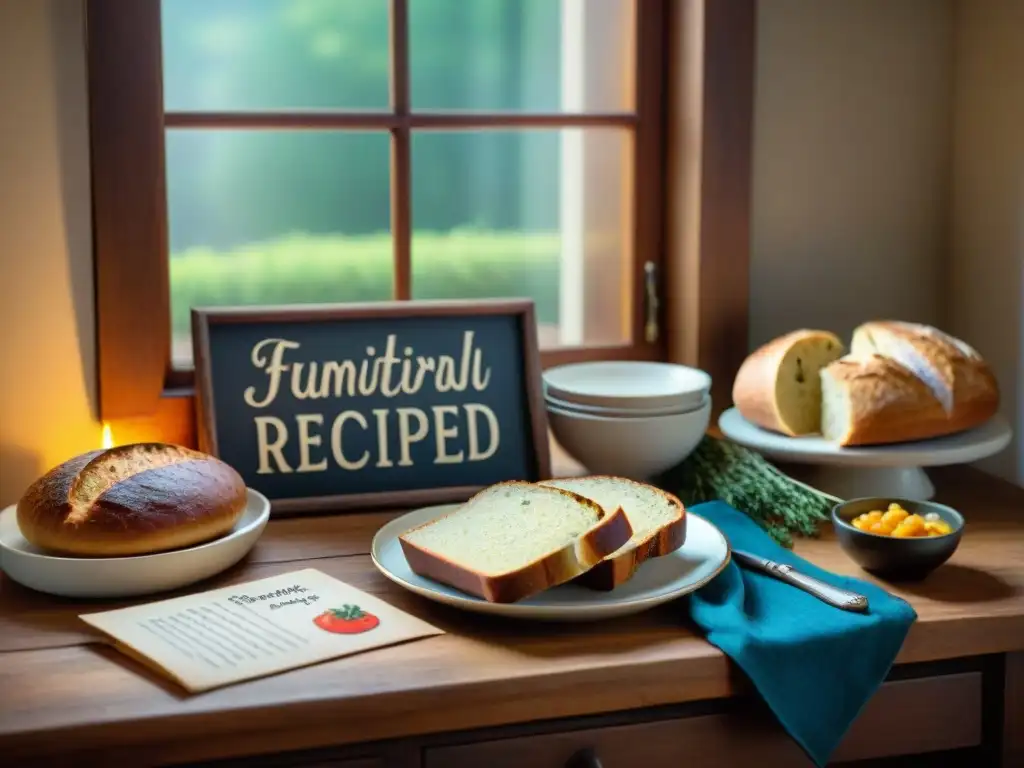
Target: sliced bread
x: 515, y: 539
x: 779, y: 388
x: 658, y: 520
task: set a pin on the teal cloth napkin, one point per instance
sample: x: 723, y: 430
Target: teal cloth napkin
x: 814, y: 665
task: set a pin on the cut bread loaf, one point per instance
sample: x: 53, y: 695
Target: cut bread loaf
x: 132, y: 500
x: 515, y: 539
x: 657, y: 518
x: 873, y: 399
x: 902, y: 382
x: 778, y: 386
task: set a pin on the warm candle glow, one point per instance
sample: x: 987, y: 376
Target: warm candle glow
x: 108, y: 437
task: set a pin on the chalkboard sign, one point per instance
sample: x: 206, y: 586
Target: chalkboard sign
x: 353, y: 406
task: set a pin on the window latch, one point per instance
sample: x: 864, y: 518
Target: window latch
x: 651, y: 330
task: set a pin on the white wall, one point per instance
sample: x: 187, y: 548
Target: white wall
x: 851, y: 138
x: 47, y: 349
x: 889, y: 175
x: 986, y: 289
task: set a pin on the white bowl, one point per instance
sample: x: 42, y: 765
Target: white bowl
x: 628, y: 384
x: 622, y: 413
x: 115, y: 577
x: 637, y: 448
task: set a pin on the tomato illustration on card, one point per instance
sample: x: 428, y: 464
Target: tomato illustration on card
x: 347, y: 620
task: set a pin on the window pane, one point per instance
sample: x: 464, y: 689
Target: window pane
x: 543, y: 214
x: 521, y: 55
x: 224, y: 55
x: 275, y: 218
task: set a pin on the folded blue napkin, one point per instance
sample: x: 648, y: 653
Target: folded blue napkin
x: 814, y: 665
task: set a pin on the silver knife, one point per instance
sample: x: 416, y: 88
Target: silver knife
x: 834, y: 596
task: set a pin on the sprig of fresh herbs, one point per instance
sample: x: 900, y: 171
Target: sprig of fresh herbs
x: 722, y: 470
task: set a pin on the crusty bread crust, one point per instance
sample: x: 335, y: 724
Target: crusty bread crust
x: 610, y: 533
x: 956, y: 375
x: 884, y: 399
x: 889, y: 404
x: 753, y: 390
x: 619, y: 568
x: 97, y: 505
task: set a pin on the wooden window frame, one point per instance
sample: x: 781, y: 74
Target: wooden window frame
x: 691, y: 123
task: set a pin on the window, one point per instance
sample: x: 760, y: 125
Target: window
x: 284, y: 151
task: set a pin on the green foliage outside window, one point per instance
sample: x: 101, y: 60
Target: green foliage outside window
x: 303, y: 268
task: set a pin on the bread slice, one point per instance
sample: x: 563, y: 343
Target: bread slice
x: 658, y: 520
x: 779, y: 388
x: 515, y: 539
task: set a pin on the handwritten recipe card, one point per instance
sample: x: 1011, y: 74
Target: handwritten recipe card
x: 255, y: 629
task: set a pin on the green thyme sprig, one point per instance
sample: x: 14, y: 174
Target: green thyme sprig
x: 723, y: 470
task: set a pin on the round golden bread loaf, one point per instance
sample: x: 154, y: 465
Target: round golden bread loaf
x: 132, y: 500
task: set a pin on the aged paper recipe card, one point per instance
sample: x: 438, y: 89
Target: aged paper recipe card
x: 255, y: 629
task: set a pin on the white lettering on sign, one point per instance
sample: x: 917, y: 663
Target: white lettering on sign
x: 472, y: 411
x: 271, y: 447
x: 387, y: 373
x: 442, y: 434
x: 337, y: 442
x: 448, y: 422
x: 390, y: 372
x: 309, y: 441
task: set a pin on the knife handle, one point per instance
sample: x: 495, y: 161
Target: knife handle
x: 840, y: 598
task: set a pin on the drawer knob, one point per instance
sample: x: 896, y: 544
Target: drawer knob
x: 585, y: 758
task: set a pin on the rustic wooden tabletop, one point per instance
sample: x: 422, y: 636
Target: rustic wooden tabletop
x: 63, y: 690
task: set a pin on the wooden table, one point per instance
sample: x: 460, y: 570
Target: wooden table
x: 644, y: 691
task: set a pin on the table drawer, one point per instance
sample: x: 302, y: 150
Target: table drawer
x: 904, y: 717
x: 365, y: 762
x: 320, y: 759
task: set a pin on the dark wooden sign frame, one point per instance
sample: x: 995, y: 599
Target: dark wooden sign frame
x: 523, y: 309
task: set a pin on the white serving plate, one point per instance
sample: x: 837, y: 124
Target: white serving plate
x: 118, y: 577
x: 624, y: 413
x: 702, y: 557
x: 880, y: 470
x: 627, y: 384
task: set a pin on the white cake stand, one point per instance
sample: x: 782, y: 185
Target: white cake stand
x: 893, y: 471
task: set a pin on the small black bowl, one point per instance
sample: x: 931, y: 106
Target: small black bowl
x: 896, y: 559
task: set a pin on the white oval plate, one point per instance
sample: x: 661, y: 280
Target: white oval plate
x: 978, y: 443
x: 702, y: 557
x: 114, y: 577
x: 628, y: 384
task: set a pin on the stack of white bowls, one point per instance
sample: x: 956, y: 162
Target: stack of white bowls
x: 625, y: 418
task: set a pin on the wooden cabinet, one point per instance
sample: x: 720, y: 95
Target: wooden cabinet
x: 904, y: 717
x: 320, y: 759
